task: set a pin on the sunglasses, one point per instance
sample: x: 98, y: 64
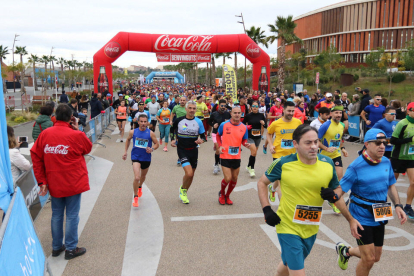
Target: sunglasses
x: 378, y: 143
x: 255, y: 106
x: 378, y: 99
x: 390, y: 113
x: 222, y: 106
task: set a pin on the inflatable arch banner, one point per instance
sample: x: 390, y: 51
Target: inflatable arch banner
x: 175, y: 75
x: 169, y: 43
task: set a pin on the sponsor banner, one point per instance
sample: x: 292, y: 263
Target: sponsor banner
x: 98, y: 124
x: 112, y: 49
x: 166, y: 57
x: 21, y: 251
x: 91, y: 132
x: 253, y: 51
x: 230, y: 81
x: 353, y: 127
x: 184, y: 43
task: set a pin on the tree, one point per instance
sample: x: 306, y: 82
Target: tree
x: 408, y: 56
x: 329, y: 60
x: 373, y: 60
x: 213, y: 70
x: 3, y: 53
x: 61, y: 61
x: 224, y: 56
x: 45, y: 60
x: 257, y: 35
x: 33, y: 59
x: 22, y: 52
x: 284, y: 30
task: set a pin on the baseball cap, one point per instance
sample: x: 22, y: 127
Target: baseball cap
x: 328, y: 95
x: 277, y: 99
x: 153, y: 96
x: 410, y: 105
x: 120, y: 95
x: 374, y: 134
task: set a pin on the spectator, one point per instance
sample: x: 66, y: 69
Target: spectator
x: 384, y: 102
x: 306, y: 96
x: 400, y: 113
x: 60, y: 168
x: 300, y: 112
x: 52, y: 105
x: 364, y: 100
x: 43, y: 121
x: 354, y: 107
x: 104, y: 102
x: 313, y: 102
x: 83, y: 103
x: 82, y: 116
x: 96, y: 106
x: 19, y: 163
x: 74, y: 106
x: 64, y: 98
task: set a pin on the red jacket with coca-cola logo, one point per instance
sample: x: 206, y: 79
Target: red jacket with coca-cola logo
x: 58, y: 160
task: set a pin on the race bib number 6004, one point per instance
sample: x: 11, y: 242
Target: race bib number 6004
x: 310, y: 215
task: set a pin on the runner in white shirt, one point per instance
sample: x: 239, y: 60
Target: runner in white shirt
x: 324, y: 114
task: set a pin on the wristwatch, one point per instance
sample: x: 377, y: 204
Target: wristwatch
x: 342, y: 148
x: 399, y: 205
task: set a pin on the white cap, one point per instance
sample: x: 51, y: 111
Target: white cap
x: 328, y: 95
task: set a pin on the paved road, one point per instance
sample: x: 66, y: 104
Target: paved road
x: 165, y: 237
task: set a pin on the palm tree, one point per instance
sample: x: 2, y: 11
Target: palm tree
x: 61, y: 61
x: 45, y: 60
x: 224, y: 55
x: 3, y: 52
x: 213, y: 70
x: 257, y: 35
x: 284, y: 30
x: 33, y: 59
x: 22, y: 52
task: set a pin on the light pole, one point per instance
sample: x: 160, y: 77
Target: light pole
x: 14, y: 83
x: 242, y: 22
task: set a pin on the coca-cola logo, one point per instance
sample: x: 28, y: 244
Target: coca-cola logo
x: 192, y: 43
x: 163, y: 57
x: 59, y: 149
x: 253, y: 50
x: 204, y: 57
x: 112, y: 49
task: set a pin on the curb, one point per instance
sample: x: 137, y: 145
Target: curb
x: 23, y: 124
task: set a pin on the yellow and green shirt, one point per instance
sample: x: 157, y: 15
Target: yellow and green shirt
x: 283, y: 131
x: 330, y: 134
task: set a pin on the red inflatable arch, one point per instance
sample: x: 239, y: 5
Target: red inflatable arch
x: 164, y: 43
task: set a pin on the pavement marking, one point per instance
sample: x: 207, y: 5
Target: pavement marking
x: 145, y: 237
x: 98, y: 171
x: 399, y: 233
x: 253, y: 185
x: 271, y: 233
x: 217, y: 217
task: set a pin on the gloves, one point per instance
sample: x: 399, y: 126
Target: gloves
x: 329, y: 195
x: 271, y: 217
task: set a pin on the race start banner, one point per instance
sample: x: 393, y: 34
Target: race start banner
x: 231, y: 81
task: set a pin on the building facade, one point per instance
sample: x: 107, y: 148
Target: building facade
x: 355, y: 28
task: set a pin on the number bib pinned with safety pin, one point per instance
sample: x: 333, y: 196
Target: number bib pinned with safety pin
x: 308, y: 215
x: 382, y: 211
x: 141, y: 143
x: 256, y: 132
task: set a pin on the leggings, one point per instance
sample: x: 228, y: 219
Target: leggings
x: 164, y: 131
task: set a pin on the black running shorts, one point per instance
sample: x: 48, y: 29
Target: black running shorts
x: 144, y: 164
x: 188, y: 157
x: 371, y: 234
x: 230, y: 163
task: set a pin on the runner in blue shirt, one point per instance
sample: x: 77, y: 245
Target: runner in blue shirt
x: 387, y: 125
x: 374, y: 111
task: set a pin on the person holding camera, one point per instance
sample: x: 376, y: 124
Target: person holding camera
x: 19, y: 163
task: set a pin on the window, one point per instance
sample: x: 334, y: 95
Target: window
x: 392, y: 40
x: 382, y: 43
x: 369, y: 41
x: 354, y: 41
x: 398, y: 20
x: 385, y: 8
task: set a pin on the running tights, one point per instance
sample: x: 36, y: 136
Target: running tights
x: 217, y: 159
x: 164, y: 131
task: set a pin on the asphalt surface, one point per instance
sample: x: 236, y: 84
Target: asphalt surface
x: 203, y: 237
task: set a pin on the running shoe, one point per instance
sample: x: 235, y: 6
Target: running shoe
x: 198, y: 146
x: 342, y: 258
x: 139, y: 192
x: 216, y: 169
x: 121, y: 141
x: 178, y: 162
x: 272, y: 197
x: 334, y: 208
x: 409, y: 212
x: 183, y: 195
x: 262, y: 137
x: 160, y: 141
x: 251, y: 172
x: 228, y: 201
x: 135, y: 203
x: 222, y: 199
x: 165, y: 149
x: 264, y: 149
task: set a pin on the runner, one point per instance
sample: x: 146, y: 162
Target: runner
x: 283, y: 129
x: 244, y: 107
x: 216, y: 118
x: 202, y: 110
x: 153, y: 108
x: 387, y: 125
x: 254, y: 122
x: 120, y: 112
x: 178, y: 111
x: 331, y: 143
x: 230, y: 136
x: 275, y: 113
x: 163, y: 117
x: 324, y: 114
x: 301, y: 177
x: 139, y: 112
x: 262, y: 110
x: 368, y: 211
x: 402, y: 156
x: 143, y: 144
x: 187, y: 130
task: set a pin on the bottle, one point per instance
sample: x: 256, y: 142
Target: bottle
x: 263, y: 81
x: 102, y: 80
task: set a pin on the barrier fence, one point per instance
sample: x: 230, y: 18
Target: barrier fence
x: 95, y: 127
x: 9, y: 102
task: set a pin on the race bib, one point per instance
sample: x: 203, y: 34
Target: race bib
x: 309, y: 215
x: 166, y: 120
x: 141, y: 143
x: 411, y: 149
x: 287, y: 144
x: 382, y: 211
x: 206, y: 116
x: 233, y: 150
x: 256, y: 132
x: 335, y: 143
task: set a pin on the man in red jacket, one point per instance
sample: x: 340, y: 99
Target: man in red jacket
x: 60, y: 168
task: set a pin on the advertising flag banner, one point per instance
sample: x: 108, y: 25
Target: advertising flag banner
x: 230, y: 81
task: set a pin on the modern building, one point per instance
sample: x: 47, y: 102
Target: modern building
x: 355, y: 28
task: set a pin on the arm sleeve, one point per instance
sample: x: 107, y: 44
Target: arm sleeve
x: 21, y: 162
x: 246, y: 119
x: 349, y: 179
x: 322, y: 130
x: 318, y: 105
x: 274, y: 172
x: 271, y: 128
x: 159, y: 112
x: 395, y: 139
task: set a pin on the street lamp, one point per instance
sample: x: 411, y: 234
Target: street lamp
x: 14, y: 83
x: 242, y: 22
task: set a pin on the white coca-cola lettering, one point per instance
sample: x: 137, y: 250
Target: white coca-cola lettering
x: 112, y: 49
x: 253, y: 50
x: 191, y: 43
x: 263, y: 83
x: 204, y: 57
x: 59, y: 149
x: 163, y: 57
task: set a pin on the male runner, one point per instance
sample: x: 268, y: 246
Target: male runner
x: 187, y: 130
x: 370, y: 180
x: 230, y: 136
x: 153, y: 108
x: 301, y: 175
x: 402, y: 156
x: 178, y: 111
x: 283, y: 129
x: 324, y: 114
x: 216, y: 118
x: 387, y: 125
x: 144, y: 143
x: 331, y: 143
x: 140, y: 112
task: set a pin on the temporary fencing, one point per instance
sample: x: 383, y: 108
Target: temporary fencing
x: 9, y: 102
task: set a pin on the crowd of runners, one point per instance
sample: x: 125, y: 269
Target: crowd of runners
x: 307, y: 153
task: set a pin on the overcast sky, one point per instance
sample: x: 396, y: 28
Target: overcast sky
x: 81, y: 28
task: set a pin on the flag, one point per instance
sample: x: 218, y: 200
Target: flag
x: 230, y: 81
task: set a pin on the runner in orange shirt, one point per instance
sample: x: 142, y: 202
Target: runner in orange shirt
x: 230, y: 136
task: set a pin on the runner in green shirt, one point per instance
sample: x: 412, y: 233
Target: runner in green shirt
x: 178, y: 110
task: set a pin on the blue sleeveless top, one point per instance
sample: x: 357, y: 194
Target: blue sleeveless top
x: 140, y: 141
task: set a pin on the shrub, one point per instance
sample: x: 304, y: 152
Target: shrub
x: 364, y: 74
x: 397, y: 78
x: 20, y: 119
x: 356, y: 77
